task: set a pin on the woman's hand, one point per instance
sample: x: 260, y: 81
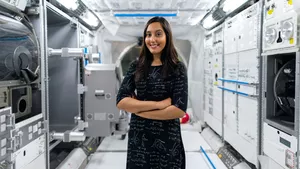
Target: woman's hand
x: 164, y: 103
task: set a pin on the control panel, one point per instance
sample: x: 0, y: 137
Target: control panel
x: 7, y: 147
x: 228, y: 158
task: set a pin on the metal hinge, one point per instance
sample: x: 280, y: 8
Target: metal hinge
x: 19, y: 139
x: 81, y: 89
x: 45, y: 126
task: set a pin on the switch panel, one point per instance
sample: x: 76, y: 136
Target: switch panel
x: 228, y: 158
x: 7, y: 124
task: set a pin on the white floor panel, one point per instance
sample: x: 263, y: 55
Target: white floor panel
x: 111, y: 160
x: 193, y: 140
x: 112, y: 152
x: 113, y: 143
x: 196, y: 160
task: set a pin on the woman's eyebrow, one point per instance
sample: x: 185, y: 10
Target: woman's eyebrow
x: 154, y: 30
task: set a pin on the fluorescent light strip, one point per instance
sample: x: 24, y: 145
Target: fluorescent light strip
x: 146, y: 15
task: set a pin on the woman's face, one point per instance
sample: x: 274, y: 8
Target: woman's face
x: 155, y: 38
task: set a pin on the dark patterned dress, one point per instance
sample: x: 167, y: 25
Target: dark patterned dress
x: 156, y: 144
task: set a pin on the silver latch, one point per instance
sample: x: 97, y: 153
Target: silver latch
x: 81, y: 89
x: 45, y: 126
x: 290, y: 159
x: 81, y: 124
x: 12, y: 120
x: 19, y: 139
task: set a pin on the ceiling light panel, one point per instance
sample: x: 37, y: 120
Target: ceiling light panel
x: 186, y: 4
x: 138, y: 4
x: 108, y: 8
x: 159, y: 4
x: 115, y: 4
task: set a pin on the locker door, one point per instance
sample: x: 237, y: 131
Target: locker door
x: 231, y: 66
x: 248, y: 62
x: 230, y: 38
x: 248, y: 116
x: 230, y: 112
x: 217, y: 103
x: 248, y: 31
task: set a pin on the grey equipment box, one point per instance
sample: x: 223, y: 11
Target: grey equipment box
x: 100, y: 111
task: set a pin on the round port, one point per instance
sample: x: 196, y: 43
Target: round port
x: 89, y: 116
x: 287, y: 30
x: 108, y: 96
x: 270, y: 35
x: 22, y: 105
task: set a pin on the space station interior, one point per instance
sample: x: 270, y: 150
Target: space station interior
x: 62, y: 63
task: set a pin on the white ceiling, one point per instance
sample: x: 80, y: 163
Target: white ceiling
x: 189, y: 12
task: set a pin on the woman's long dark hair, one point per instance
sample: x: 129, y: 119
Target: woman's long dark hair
x: 169, y: 56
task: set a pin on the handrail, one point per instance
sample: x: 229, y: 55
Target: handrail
x: 237, y: 92
x: 236, y: 81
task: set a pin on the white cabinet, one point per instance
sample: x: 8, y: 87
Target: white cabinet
x: 231, y: 66
x: 230, y: 39
x: 241, y: 31
x: 230, y: 113
x: 241, y: 74
x: 247, y: 36
x: 248, y: 118
x: 213, y: 71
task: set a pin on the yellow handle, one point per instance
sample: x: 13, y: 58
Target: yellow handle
x: 270, y: 12
x: 292, y: 41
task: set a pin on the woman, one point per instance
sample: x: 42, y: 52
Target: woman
x: 160, y: 80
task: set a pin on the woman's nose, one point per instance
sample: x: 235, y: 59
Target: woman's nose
x: 152, y: 39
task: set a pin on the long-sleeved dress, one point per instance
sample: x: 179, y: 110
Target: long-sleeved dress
x: 156, y: 144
